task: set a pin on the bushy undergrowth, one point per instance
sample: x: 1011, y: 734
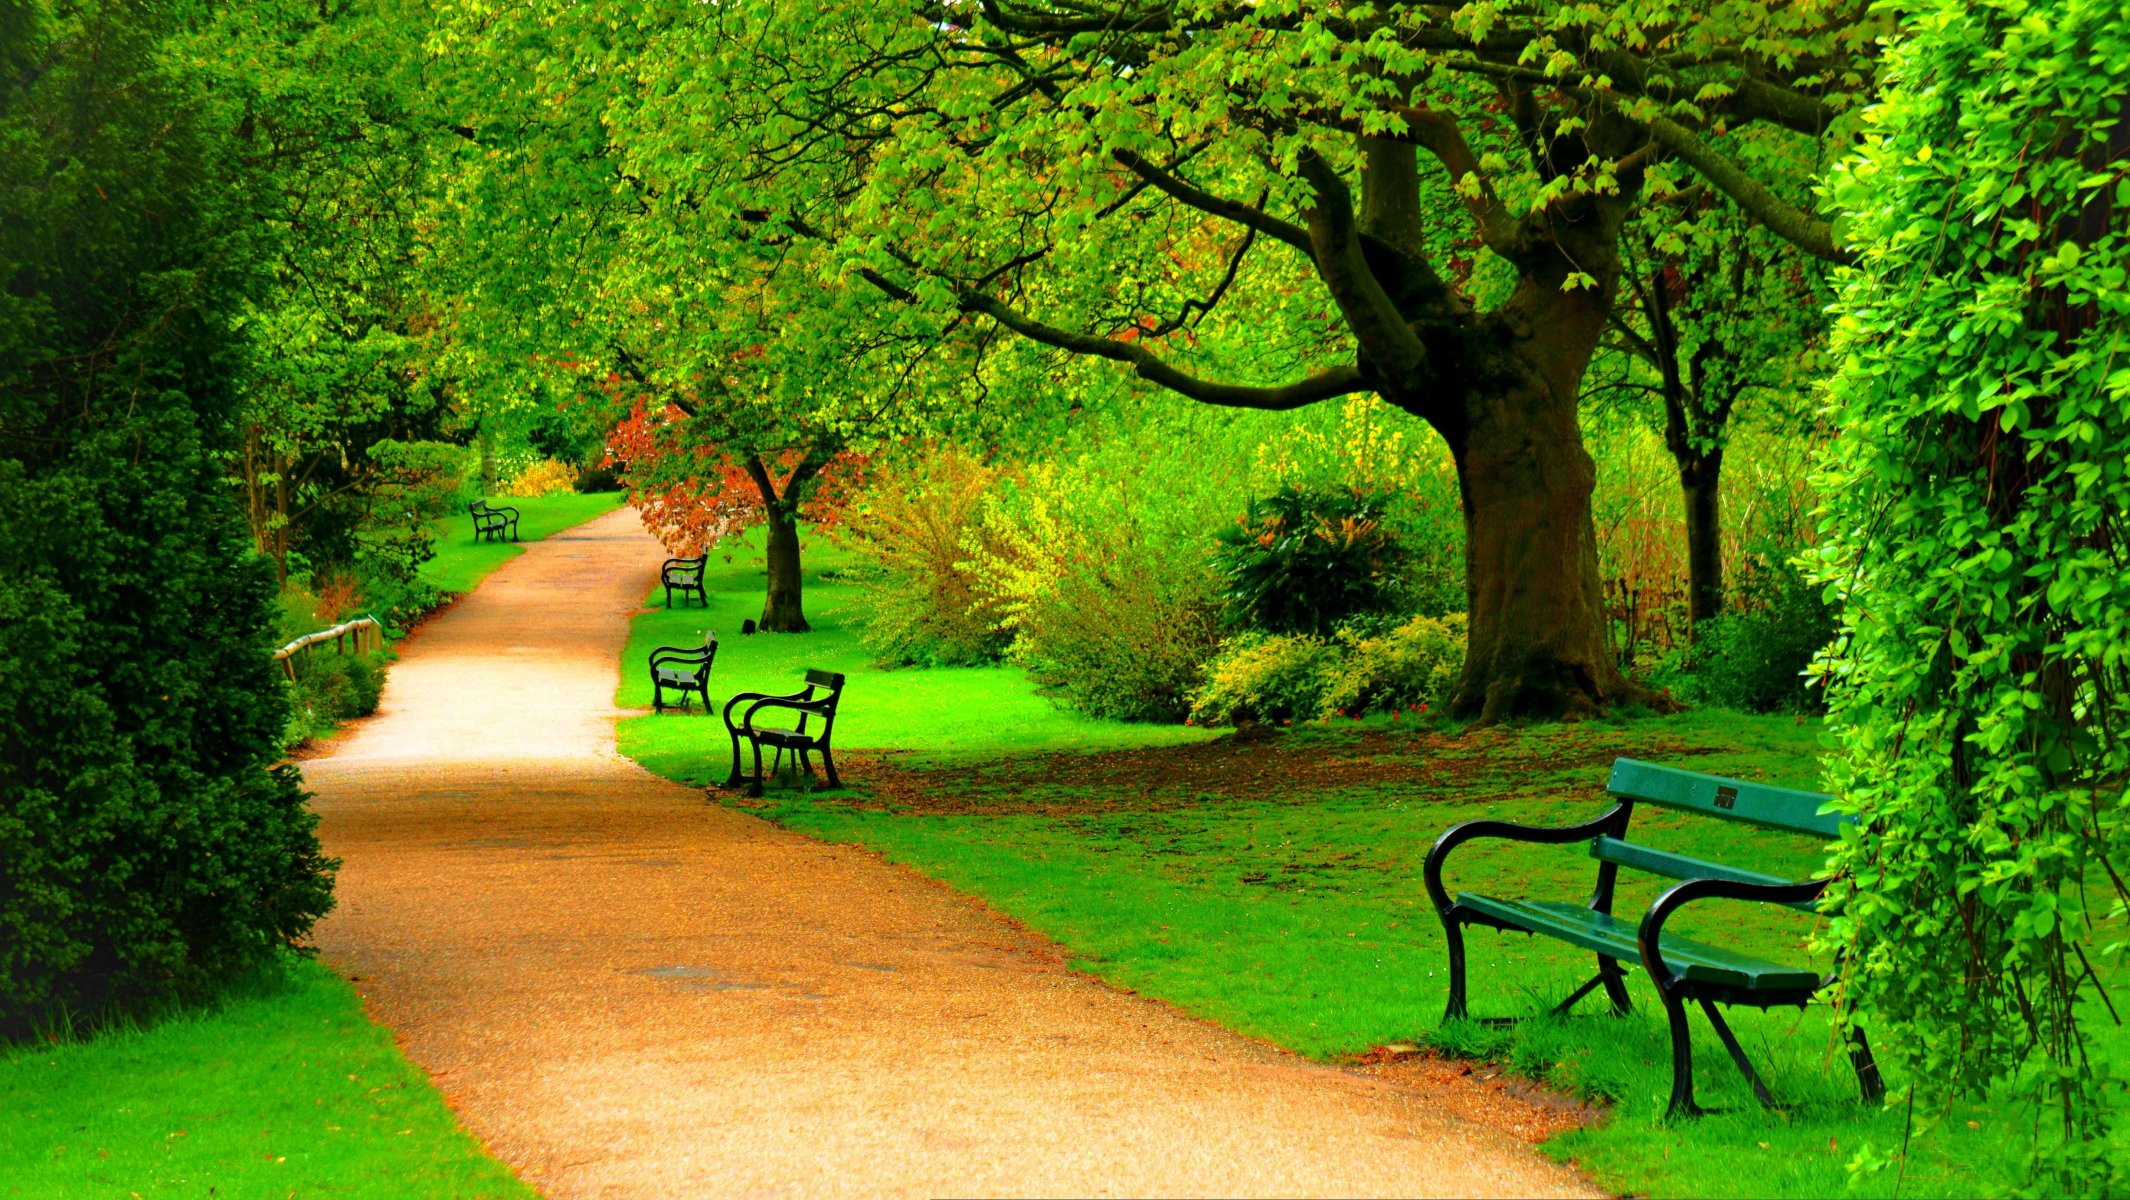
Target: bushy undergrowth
x: 1754, y: 657
x: 922, y: 531
x: 1101, y: 606
x: 1299, y: 677
x: 149, y: 847
x: 1303, y: 560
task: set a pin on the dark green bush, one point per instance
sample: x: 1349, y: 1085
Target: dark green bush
x: 149, y: 845
x: 331, y: 688
x: 1753, y: 658
x: 1304, y: 561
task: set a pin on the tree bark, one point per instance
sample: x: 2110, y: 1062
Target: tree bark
x: 1536, y: 644
x: 782, y: 611
x: 1699, y: 477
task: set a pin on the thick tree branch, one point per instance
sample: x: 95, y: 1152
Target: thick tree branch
x: 1240, y: 213
x: 1386, y: 340
x: 1781, y: 218
x: 1324, y: 385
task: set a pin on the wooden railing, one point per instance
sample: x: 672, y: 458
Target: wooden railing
x: 364, y: 632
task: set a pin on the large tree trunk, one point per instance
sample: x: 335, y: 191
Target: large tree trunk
x: 1699, y: 476
x: 1536, y: 646
x: 781, y: 608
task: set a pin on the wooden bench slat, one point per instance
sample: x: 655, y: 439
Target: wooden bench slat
x: 1759, y: 804
x: 1679, y: 866
x: 1611, y: 936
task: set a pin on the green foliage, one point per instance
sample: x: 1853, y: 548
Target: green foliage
x: 922, y: 533
x: 1304, y: 561
x: 1409, y: 666
x: 1975, y: 517
x: 1757, y: 657
x: 1290, y: 677
x: 148, y: 843
x: 1266, y: 677
x: 1099, y: 606
x: 331, y: 688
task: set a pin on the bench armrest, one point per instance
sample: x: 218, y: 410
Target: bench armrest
x: 504, y: 508
x: 798, y: 703
x: 670, y: 563
x: 747, y: 697
x: 1549, y: 835
x: 1679, y: 895
x: 698, y: 655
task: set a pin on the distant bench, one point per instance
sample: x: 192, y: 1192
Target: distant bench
x: 492, y: 521
x: 684, y: 669
x: 1682, y: 970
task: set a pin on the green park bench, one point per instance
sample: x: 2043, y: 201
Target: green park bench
x: 1683, y: 970
x: 492, y: 521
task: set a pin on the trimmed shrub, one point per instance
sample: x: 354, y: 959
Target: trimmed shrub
x: 149, y: 845
x: 1410, y: 666
x: 1266, y: 677
x: 1281, y: 677
x: 923, y: 536
x: 1303, y: 561
x: 543, y: 478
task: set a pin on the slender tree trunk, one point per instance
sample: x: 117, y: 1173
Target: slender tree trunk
x: 1536, y: 644
x: 1699, y: 477
x: 487, y: 440
x: 782, y: 611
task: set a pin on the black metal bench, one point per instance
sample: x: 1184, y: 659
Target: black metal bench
x: 682, y: 669
x: 492, y: 521
x: 1683, y: 970
x: 824, y: 690
x: 685, y: 575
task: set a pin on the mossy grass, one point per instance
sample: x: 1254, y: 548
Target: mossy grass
x: 280, y: 1087
x: 461, y: 563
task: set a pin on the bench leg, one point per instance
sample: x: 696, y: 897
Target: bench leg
x: 1867, y: 1067
x: 1453, y: 940
x: 733, y: 780
x: 755, y: 789
x: 1615, y: 985
x: 1682, y: 1057
x: 828, y: 764
x: 1745, y: 1065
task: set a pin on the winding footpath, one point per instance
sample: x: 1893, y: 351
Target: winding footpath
x: 626, y: 991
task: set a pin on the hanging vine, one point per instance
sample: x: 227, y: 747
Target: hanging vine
x: 1975, y: 529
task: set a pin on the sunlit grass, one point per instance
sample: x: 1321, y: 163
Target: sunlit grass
x: 284, y: 1088
x: 461, y: 563
x: 934, y: 714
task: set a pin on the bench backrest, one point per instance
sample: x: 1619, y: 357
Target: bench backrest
x: 825, y: 688
x: 1759, y: 804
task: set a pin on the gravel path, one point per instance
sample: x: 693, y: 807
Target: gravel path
x: 626, y: 991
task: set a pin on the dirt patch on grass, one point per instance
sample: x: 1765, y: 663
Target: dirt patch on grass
x: 1483, y: 1093
x: 1294, y: 765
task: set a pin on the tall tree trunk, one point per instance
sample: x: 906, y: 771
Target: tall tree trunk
x: 782, y: 611
x: 1536, y: 645
x: 1699, y: 477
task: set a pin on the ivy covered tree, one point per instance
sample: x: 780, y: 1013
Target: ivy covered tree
x: 1254, y: 205
x: 149, y: 843
x: 1975, y: 531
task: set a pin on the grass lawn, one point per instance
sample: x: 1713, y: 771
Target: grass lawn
x: 925, y: 715
x: 1275, y: 888
x: 283, y: 1089
x: 461, y: 563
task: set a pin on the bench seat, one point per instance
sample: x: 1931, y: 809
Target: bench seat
x: 1614, y: 938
